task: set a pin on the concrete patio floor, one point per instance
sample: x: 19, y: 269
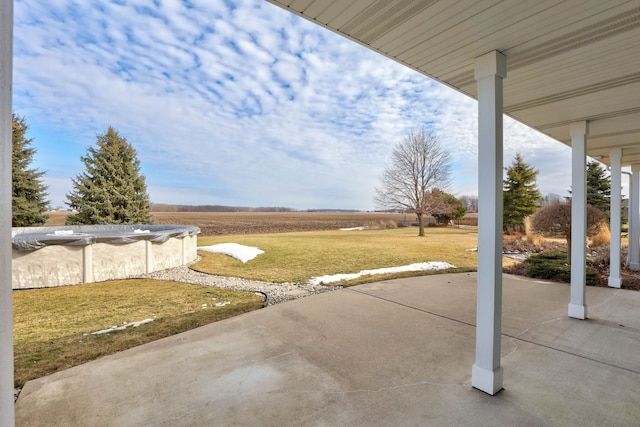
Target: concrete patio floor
x: 388, y: 353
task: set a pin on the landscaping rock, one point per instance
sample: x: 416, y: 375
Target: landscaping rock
x: 276, y: 292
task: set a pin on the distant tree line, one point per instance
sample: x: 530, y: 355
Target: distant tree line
x: 332, y: 210
x: 470, y: 202
x: 166, y: 207
x: 163, y: 207
x: 550, y: 199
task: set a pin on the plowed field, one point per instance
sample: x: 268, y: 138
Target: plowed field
x: 218, y: 223
x: 222, y: 223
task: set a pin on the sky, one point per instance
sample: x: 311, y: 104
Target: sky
x: 237, y: 103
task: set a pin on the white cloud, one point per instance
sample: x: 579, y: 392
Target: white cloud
x: 236, y: 102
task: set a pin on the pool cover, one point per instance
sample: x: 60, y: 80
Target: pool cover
x: 32, y: 238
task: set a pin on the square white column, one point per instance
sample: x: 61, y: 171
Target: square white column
x: 490, y: 69
x: 615, y: 223
x: 577, y: 304
x: 634, y: 218
x: 7, y: 417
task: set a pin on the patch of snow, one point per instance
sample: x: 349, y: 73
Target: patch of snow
x: 137, y: 230
x: 354, y: 228
x: 63, y: 233
x: 240, y: 252
x: 421, y: 266
x: 122, y: 328
x: 222, y: 304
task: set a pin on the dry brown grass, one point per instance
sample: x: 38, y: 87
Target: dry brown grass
x: 603, y: 238
x: 532, y: 237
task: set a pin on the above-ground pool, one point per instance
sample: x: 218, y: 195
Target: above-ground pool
x: 45, y: 257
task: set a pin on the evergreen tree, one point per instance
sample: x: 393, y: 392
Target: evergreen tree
x: 111, y: 190
x: 29, y: 194
x: 521, y: 193
x: 445, y: 207
x: 598, y: 187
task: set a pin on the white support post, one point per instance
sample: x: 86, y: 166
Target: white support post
x: 634, y: 218
x: 577, y: 304
x: 615, y: 279
x: 490, y: 69
x: 7, y: 417
x: 629, y: 185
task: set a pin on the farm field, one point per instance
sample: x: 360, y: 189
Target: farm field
x: 223, y: 223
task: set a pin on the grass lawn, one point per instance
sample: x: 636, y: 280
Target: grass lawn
x: 297, y: 257
x: 52, y: 327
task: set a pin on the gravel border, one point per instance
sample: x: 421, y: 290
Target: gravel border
x: 276, y: 292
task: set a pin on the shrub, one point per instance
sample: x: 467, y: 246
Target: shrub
x: 555, y: 220
x: 552, y: 265
x: 520, y: 244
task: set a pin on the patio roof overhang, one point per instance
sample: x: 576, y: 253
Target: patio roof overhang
x: 567, y: 61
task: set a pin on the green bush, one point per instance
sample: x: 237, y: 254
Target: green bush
x: 552, y: 265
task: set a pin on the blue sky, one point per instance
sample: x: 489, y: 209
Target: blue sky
x: 236, y: 103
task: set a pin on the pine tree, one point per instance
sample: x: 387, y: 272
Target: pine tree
x: 29, y: 194
x: 111, y: 190
x: 598, y: 187
x: 521, y: 193
x: 445, y: 207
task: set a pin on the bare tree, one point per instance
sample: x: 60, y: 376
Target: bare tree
x: 418, y: 165
x: 555, y: 221
x: 550, y: 199
x: 470, y: 202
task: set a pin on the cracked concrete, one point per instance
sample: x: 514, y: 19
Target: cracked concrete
x: 388, y: 353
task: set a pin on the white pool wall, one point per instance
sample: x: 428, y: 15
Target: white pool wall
x: 62, y: 264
